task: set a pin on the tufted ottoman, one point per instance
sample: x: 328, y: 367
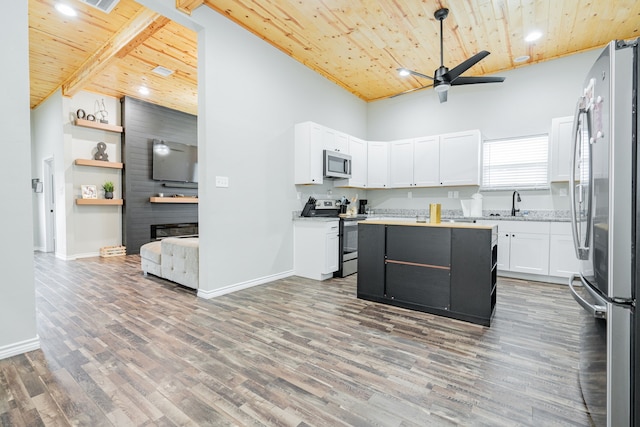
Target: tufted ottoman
x: 150, y: 258
x: 172, y: 258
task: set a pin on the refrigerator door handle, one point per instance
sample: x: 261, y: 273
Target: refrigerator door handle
x: 582, y: 250
x: 598, y: 311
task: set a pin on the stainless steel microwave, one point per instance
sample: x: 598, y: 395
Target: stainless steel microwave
x: 336, y: 164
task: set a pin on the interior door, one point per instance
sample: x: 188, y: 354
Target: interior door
x: 49, y: 206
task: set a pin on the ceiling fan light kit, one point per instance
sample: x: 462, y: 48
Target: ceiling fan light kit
x: 443, y: 78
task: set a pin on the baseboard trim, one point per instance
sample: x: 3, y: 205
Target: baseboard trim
x: 534, y: 277
x: 243, y: 285
x: 19, y: 347
x: 76, y: 256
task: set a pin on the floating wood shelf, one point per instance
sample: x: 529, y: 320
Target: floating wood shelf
x: 99, y: 163
x: 112, y: 202
x: 173, y: 199
x: 98, y: 125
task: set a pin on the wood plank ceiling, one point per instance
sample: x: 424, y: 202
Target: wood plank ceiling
x: 358, y: 44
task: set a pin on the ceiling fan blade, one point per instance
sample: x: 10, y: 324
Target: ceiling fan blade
x: 464, y: 66
x: 415, y: 73
x: 474, y: 80
x: 443, y: 96
x: 410, y: 90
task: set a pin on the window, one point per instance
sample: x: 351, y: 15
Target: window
x: 515, y: 163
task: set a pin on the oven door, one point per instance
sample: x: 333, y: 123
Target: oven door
x: 348, y: 247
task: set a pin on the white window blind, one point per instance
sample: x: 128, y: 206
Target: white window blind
x: 516, y: 163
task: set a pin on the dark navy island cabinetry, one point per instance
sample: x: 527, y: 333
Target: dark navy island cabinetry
x: 447, y: 269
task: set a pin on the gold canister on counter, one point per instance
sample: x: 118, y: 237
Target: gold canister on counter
x: 434, y: 213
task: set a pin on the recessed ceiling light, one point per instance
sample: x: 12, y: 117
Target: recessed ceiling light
x: 164, y: 72
x: 522, y: 58
x: 403, y: 72
x: 143, y: 90
x: 66, y: 9
x: 533, y: 36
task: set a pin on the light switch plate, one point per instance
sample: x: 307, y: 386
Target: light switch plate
x: 222, y: 181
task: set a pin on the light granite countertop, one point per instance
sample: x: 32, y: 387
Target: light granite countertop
x: 453, y: 215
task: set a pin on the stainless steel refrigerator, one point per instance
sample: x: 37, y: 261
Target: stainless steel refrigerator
x: 605, y: 204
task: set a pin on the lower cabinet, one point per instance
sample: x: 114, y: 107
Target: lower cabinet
x: 524, y: 246
x: 315, y: 248
x: 563, y: 261
x: 536, y: 248
x: 440, y: 270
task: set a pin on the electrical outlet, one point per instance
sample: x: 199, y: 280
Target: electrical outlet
x: 450, y: 194
x: 222, y: 181
x: 563, y: 192
x: 299, y: 195
x: 409, y: 195
x: 456, y: 195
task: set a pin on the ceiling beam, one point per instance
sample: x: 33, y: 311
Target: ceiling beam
x: 140, y: 27
x: 188, y: 6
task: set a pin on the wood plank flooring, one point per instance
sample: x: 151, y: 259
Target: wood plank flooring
x: 119, y: 349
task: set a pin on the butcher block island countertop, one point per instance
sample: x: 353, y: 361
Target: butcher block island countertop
x: 446, y: 268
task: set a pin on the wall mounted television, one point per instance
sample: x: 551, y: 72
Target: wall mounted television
x: 173, y: 161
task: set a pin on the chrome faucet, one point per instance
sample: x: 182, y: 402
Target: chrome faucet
x: 513, y: 203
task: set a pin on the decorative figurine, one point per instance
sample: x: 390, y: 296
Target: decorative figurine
x: 101, y: 154
x: 101, y: 111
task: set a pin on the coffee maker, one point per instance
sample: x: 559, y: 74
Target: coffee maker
x: 362, y: 208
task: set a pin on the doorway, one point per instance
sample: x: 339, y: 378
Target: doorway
x: 49, y: 206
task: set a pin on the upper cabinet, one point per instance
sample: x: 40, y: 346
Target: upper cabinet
x: 335, y: 141
x: 426, y: 161
x: 451, y: 159
x: 401, y: 163
x: 560, y: 148
x: 460, y: 157
x: 378, y: 164
x: 441, y: 160
x: 308, y: 153
x: 359, y: 166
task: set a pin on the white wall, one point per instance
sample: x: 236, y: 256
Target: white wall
x: 80, y: 230
x: 523, y: 104
x: 47, y: 142
x: 88, y: 228
x: 251, y: 95
x: 17, y: 292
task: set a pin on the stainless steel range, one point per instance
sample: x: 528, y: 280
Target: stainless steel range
x: 348, y: 249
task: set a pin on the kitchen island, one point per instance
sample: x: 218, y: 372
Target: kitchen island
x: 447, y: 269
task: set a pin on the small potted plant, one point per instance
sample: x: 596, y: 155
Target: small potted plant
x: 108, y: 189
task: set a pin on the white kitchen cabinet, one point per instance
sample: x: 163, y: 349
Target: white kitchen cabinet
x: 378, y: 164
x: 315, y: 248
x: 523, y: 247
x: 529, y: 253
x: 460, y: 155
x: 335, y: 141
x: 308, y: 146
x: 414, y: 162
x: 560, y: 148
x: 331, y: 248
x: 401, y: 163
x: 562, y: 255
x: 504, y: 243
x: 426, y: 161
x: 359, y: 166
x: 443, y: 160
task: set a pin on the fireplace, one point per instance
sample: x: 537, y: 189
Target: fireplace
x: 160, y: 231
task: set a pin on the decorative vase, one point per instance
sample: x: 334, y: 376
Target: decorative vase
x: 108, y: 194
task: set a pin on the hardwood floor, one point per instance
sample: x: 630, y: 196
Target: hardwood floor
x: 121, y: 349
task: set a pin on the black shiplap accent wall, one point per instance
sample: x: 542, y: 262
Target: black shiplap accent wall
x: 143, y: 122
